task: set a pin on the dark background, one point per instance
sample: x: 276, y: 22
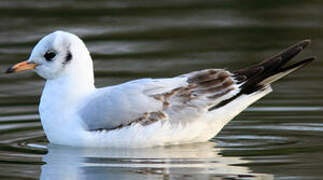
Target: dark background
x: 279, y: 135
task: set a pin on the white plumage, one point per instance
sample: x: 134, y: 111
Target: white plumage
x: 188, y: 108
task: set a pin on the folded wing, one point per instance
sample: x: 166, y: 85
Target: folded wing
x: 180, y: 99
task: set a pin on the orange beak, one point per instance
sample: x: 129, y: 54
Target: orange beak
x: 22, y: 66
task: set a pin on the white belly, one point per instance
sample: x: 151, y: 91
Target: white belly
x: 160, y: 133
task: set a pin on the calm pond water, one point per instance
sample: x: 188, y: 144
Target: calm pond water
x: 279, y: 137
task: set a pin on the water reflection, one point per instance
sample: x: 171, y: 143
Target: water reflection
x: 202, y: 161
x: 281, y: 134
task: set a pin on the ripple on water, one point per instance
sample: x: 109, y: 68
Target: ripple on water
x: 281, y: 134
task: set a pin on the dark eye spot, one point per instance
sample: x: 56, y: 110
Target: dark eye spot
x: 68, y: 57
x: 49, y: 55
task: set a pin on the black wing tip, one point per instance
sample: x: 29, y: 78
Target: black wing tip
x: 304, y: 43
x: 254, y: 75
x: 274, y: 65
x: 299, y: 64
x: 310, y: 59
x: 10, y: 70
x: 289, y: 53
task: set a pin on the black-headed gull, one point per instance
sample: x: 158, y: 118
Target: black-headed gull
x: 187, y: 108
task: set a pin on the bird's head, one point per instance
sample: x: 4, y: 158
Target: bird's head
x: 57, y: 54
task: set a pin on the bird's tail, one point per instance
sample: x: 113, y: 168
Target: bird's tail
x: 255, y: 77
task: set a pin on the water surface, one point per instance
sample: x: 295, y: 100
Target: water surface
x: 278, y: 137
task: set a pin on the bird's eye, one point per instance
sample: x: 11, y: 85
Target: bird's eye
x: 49, y: 55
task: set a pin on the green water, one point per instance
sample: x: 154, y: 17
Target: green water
x: 278, y: 137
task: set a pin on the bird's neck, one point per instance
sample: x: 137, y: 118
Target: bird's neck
x: 68, y: 88
x: 65, y: 93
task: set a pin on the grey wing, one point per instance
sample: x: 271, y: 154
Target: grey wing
x: 116, y: 106
x: 180, y: 99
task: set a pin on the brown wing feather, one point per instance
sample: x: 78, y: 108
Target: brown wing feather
x: 208, y: 84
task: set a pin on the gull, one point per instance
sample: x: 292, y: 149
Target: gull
x: 188, y: 108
